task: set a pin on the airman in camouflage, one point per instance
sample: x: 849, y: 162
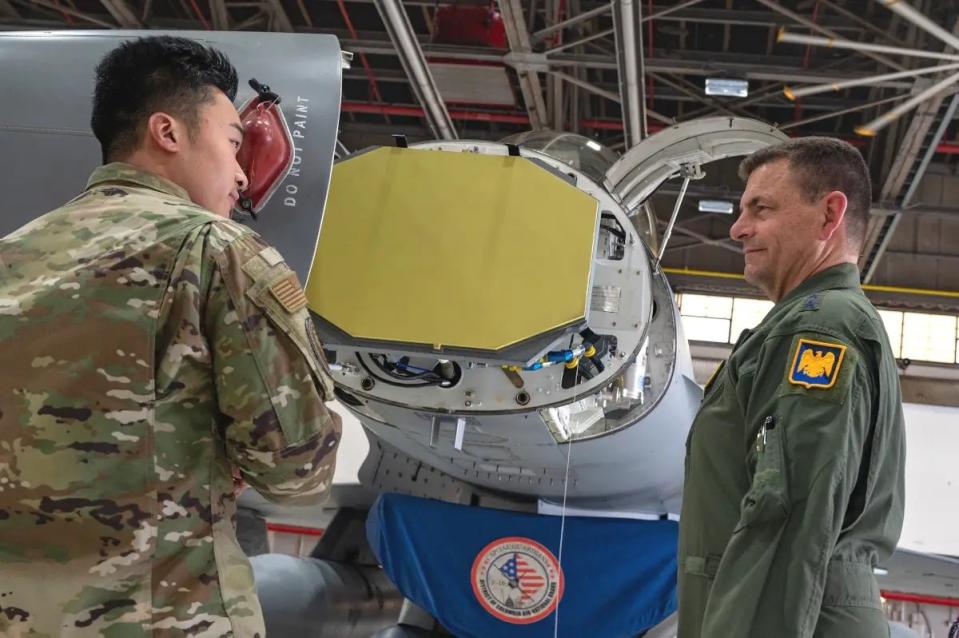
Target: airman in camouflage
x: 152, y: 350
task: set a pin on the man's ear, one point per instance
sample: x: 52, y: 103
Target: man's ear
x: 166, y: 132
x: 835, y: 204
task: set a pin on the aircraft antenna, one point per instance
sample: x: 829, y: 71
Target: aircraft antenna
x: 562, y: 529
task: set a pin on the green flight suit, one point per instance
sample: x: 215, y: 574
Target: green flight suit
x: 794, y: 474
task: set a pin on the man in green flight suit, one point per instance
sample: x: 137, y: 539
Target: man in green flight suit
x: 794, y: 464
x: 151, y: 350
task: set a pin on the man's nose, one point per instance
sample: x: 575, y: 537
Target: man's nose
x: 740, y: 229
x: 241, y: 181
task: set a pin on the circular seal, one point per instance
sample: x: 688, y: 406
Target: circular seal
x: 517, y: 580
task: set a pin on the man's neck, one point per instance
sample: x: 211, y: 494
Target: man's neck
x: 144, y: 162
x: 827, y: 261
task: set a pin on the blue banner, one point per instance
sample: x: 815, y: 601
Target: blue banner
x: 484, y: 572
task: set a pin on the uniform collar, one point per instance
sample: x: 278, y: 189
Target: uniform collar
x: 129, y: 174
x: 838, y: 276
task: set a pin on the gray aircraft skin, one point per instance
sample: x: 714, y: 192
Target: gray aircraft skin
x: 46, y: 117
x: 635, y: 467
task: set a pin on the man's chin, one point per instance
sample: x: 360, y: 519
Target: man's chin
x: 751, y: 275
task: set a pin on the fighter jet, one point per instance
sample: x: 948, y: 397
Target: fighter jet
x: 495, y: 318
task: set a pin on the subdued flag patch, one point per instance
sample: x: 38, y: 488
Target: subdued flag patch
x: 288, y: 292
x: 816, y: 364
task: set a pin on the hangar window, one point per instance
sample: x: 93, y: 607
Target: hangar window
x: 893, y: 322
x: 747, y: 313
x: 923, y: 337
x: 912, y: 335
x: 705, y: 317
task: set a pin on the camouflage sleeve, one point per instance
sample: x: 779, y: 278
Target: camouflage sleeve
x: 271, y: 378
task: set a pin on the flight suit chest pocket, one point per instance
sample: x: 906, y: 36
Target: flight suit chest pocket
x: 768, y: 498
x: 277, y: 292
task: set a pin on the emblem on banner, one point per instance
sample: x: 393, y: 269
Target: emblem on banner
x: 517, y: 580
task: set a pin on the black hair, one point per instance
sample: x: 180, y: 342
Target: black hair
x: 158, y: 73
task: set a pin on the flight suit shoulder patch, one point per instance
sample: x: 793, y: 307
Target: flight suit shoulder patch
x: 815, y: 364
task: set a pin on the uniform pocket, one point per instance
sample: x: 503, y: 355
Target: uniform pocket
x: 704, y: 566
x: 767, y: 499
x: 851, y: 584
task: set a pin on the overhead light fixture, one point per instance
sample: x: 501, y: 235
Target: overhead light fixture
x: 716, y: 206
x: 593, y: 145
x: 880, y: 571
x: 727, y: 87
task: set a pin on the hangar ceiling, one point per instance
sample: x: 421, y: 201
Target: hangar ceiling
x: 484, y: 69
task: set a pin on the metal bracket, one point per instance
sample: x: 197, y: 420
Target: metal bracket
x: 688, y: 172
x: 521, y: 61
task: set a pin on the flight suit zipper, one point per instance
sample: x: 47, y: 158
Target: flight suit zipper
x: 761, y: 437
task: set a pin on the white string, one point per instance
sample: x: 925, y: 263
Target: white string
x: 562, y: 530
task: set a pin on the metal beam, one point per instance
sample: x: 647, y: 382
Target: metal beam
x: 684, y: 86
x: 726, y: 244
x: 540, y: 35
x: 555, y: 91
x: 865, y: 24
x: 630, y: 64
x: 122, y: 13
x: 851, y: 109
x: 73, y: 12
x: 792, y: 15
x: 576, y: 43
x: 750, y: 67
x: 906, y: 171
x: 406, y: 45
x: 913, y: 16
x: 281, y: 21
x: 592, y: 88
x: 662, y: 13
x: 7, y: 10
x: 919, y: 137
x: 517, y: 34
x: 221, y: 18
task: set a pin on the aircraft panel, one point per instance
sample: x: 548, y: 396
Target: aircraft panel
x: 49, y: 150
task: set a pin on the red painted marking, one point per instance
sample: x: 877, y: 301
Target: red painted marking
x: 920, y: 598
x: 294, y: 529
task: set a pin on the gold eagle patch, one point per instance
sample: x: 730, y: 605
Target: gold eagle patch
x: 816, y: 364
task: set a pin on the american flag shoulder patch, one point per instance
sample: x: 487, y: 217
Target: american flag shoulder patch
x: 289, y: 294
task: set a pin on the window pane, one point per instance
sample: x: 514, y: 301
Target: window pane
x: 707, y: 306
x: 706, y: 329
x: 747, y: 313
x: 925, y: 337
x: 893, y: 322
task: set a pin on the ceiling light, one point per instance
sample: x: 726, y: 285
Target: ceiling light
x: 593, y: 145
x: 716, y: 206
x: 727, y: 87
x: 880, y: 571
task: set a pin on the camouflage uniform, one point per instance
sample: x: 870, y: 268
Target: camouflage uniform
x: 149, y: 348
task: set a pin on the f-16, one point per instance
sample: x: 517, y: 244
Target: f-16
x: 495, y: 319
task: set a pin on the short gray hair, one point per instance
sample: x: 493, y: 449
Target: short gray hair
x: 821, y: 165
